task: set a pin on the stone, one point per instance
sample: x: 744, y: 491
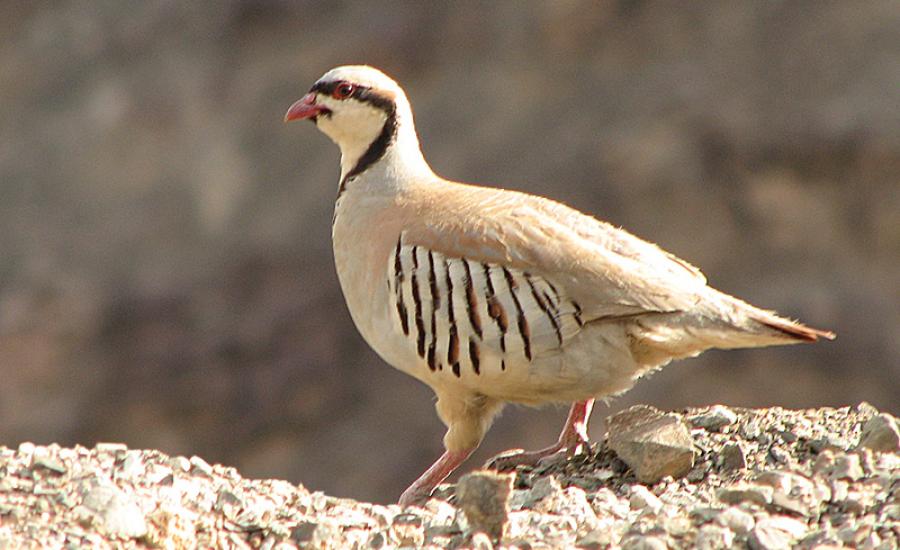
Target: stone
x: 881, y: 433
x: 654, y: 445
x: 737, y: 520
x: 111, y: 448
x: 596, y: 539
x: 480, y: 541
x: 180, y: 463
x: 483, y: 496
x: 644, y: 543
x: 847, y: 466
x: 733, y: 457
x: 50, y: 463
x: 792, y: 492
x: 714, y: 419
x: 776, y: 533
x: 757, y: 494
x: 642, y: 499
x: 118, y: 513
x: 200, y: 466
x: 714, y: 537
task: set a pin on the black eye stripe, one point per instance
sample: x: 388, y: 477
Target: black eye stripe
x: 360, y: 93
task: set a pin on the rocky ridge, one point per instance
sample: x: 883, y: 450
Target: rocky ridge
x: 764, y: 479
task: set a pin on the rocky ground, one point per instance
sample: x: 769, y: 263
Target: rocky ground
x: 705, y: 478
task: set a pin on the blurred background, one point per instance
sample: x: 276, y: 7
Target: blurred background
x: 166, y: 277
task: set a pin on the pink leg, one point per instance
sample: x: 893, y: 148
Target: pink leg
x: 574, y: 435
x: 420, y: 490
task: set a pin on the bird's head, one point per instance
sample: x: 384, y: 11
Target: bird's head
x: 362, y: 110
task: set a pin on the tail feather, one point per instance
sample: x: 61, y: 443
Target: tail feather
x: 793, y: 329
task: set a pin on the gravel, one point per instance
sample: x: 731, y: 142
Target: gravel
x: 805, y: 479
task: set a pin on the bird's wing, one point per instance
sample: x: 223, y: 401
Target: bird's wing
x: 606, y: 271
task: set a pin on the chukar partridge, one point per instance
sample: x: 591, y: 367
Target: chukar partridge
x: 492, y: 296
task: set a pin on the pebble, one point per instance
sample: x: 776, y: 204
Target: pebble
x: 733, y: 457
x: 653, y: 444
x: 110, y: 448
x: 480, y: 541
x: 737, y: 520
x: 776, y: 533
x: 644, y: 543
x: 198, y: 465
x: 642, y: 499
x: 757, y: 494
x: 714, y: 537
x: 180, y: 463
x: 847, y: 466
x: 50, y: 463
x: 119, y: 514
x: 716, y: 418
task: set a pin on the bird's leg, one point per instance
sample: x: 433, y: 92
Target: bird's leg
x: 467, y: 417
x: 573, y: 436
x: 420, y: 490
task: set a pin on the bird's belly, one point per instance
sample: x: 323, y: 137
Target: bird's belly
x: 433, y: 318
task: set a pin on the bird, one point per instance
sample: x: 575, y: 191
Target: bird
x: 493, y: 296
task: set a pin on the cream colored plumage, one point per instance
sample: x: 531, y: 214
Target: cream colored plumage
x: 492, y: 296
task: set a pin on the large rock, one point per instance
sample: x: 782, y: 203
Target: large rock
x: 653, y: 444
x: 881, y: 433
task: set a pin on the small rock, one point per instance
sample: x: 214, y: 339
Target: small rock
x: 832, y: 444
x: 596, y: 539
x: 111, y: 448
x: 303, y: 532
x: 847, y: 467
x: 779, y: 455
x: 642, y: 499
x: 704, y: 514
x: 792, y: 492
x: 733, y: 457
x: 50, y: 463
x: 653, y: 444
x: 480, y: 541
x: 119, y: 514
x: 716, y: 418
x: 699, y: 472
x: 26, y: 448
x: 200, y: 466
x: 853, y: 535
x: 776, y: 533
x: 483, y: 496
x: 737, y: 520
x: 441, y: 511
x: 714, y: 537
x: 881, y: 434
x: 757, y: 494
x: 180, y: 463
x: 644, y: 543
x: 824, y: 462
x: 543, y: 488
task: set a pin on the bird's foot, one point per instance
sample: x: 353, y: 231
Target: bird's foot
x: 509, y: 460
x: 572, y: 440
x: 418, y: 493
x: 415, y: 496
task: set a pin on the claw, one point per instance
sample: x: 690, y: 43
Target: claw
x: 572, y: 440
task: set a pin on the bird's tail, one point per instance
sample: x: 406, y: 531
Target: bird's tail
x: 723, y: 322
x: 737, y: 324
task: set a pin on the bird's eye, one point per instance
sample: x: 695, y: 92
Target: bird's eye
x: 343, y: 90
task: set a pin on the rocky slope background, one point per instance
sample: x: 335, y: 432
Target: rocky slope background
x: 165, y: 269
x: 711, y: 478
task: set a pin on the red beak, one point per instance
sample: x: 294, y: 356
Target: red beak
x: 304, y: 108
